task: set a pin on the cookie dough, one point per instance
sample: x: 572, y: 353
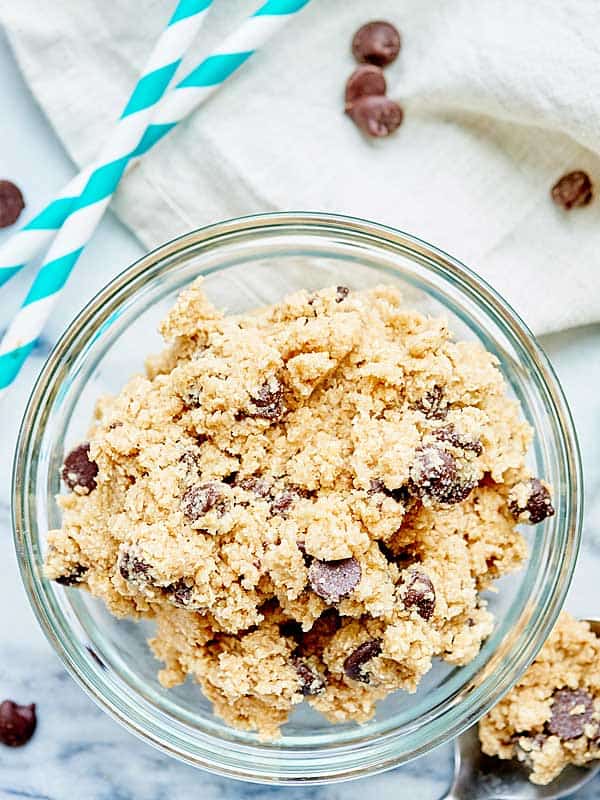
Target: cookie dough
x: 307, y: 499
x: 552, y: 716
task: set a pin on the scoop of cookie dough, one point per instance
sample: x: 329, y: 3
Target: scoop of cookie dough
x: 307, y: 499
x: 552, y: 716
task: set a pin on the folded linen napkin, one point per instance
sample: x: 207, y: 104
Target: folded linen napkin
x: 501, y: 98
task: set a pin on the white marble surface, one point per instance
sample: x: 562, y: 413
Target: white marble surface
x: 78, y: 752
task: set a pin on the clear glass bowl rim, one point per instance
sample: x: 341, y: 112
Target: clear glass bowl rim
x: 350, y: 761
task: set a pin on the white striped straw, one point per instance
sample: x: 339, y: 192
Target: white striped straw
x: 88, y: 209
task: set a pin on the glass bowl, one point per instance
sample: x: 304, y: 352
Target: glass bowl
x: 246, y: 263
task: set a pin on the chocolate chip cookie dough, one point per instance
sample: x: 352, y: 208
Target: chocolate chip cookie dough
x: 552, y: 716
x: 307, y: 499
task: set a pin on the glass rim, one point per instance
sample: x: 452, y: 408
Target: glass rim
x: 382, y: 753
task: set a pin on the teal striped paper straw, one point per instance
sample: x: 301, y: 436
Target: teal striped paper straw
x: 193, y: 90
x: 87, y: 210
x: 149, y: 90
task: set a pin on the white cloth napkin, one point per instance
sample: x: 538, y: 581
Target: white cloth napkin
x: 501, y: 98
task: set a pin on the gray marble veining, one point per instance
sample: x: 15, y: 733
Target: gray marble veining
x: 78, y: 752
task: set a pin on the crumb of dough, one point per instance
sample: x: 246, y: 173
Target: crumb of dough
x: 307, y: 499
x: 552, y: 716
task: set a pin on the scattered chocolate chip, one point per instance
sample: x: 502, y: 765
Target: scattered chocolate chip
x: 17, y: 723
x: 572, y: 710
x: 341, y: 293
x: 538, y: 505
x: 354, y: 665
x: 11, y: 203
x: 432, y: 403
x: 458, y: 440
x: 333, y: 580
x: 76, y: 575
x: 199, y: 500
x: 132, y: 568
x: 312, y: 642
x: 573, y: 190
x: 418, y: 592
x: 259, y: 486
x: 376, y: 115
x: 365, y: 80
x: 79, y: 471
x: 377, y: 43
x: 267, y: 402
x: 434, y: 474
x: 311, y: 683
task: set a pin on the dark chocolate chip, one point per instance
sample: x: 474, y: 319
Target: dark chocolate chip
x: 537, y: 507
x: 283, y: 502
x: 365, y: 80
x: 267, y: 402
x: 311, y: 683
x: 259, y: 486
x: 572, y: 710
x: 76, y: 575
x: 341, y: 293
x: 79, y: 471
x: 572, y: 190
x: 377, y: 43
x: 133, y: 568
x: 333, y: 580
x: 11, y: 203
x: 376, y: 115
x: 199, y: 500
x: 458, y: 440
x: 180, y: 594
x: 434, y: 474
x: 432, y: 403
x: 418, y: 593
x: 17, y: 723
x: 354, y: 665
x: 377, y: 486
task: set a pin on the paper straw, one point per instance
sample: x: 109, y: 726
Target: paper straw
x: 89, y: 207
x: 190, y: 93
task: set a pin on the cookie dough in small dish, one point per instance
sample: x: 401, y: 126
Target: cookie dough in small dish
x: 308, y: 500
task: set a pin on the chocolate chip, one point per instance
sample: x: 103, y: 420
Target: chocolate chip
x: 365, y: 80
x: 572, y: 190
x: 256, y: 485
x: 377, y: 486
x: 376, y: 115
x: 133, y: 568
x: 418, y: 592
x: 572, y: 710
x: 458, y: 440
x: 199, y: 500
x: 354, y: 665
x: 180, y: 594
x: 377, y: 43
x: 283, y: 502
x: 333, y: 580
x: 79, y: 471
x: 267, y: 402
x: 11, y: 203
x: 432, y: 403
x: 538, y: 505
x: 434, y: 474
x: 341, y: 293
x: 311, y: 683
x: 76, y: 575
x: 17, y: 723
